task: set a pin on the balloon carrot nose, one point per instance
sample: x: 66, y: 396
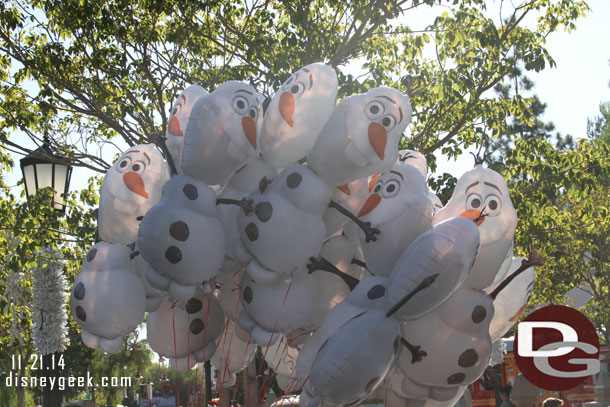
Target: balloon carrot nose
x: 345, y: 189
x: 287, y: 107
x: 249, y: 130
x: 370, y: 204
x: 474, y: 215
x: 378, y: 138
x: 174, y: 127
x: 134, y: 182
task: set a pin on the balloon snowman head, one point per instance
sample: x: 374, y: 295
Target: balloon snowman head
x: 108, y: 299
x: 285, y: 228
x: 181, y: 238
x: 361, y: 137
x: 178, y: 121
x: 222, y: 132
x: 186, y: 335
x: 484, y: 190
x: 131, y: 187
x: 296, y: 114
x: 400, y: 208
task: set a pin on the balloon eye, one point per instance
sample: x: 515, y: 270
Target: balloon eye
x: 493, y: 205
x: 240, y: 105
x: 377, y: 188
x: 391, y: 189
x: 289, y: 81
x: 124, y: 164
x: 297, y: 89
x: 473, y: 201
x: 253, y: 113
x: 373, y: 110
x: 177, y: 109
x: 138, y: 167
x: 388, y: 122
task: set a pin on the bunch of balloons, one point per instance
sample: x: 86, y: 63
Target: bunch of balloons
x: 303, y: 229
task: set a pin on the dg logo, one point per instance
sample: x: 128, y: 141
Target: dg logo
x: 556, y: 348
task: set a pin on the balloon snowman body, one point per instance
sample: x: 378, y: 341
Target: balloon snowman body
x: 297, y: 113
x: 296, y: 304
x: 186, y: 335
x: 108, y: 299
x: 178, y: 121
x: 361, y: 137
x: 181, y: 238
x: 131, y: 187
x: 285, y: 228
x: 222, y: 132
x: 484, y: 189
x: 400, y: 208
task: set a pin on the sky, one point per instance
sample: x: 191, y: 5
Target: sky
x: 572, y: 90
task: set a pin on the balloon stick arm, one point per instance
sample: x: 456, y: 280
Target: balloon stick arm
x: 360, y: 263
x: 322, y: 264
x: 427, y: 282
x: 159, y: 140
x: 370, y: 232
x: 244, y: 204
x: 534, y: 259
x: 134, y: 254
x: 417, y: 355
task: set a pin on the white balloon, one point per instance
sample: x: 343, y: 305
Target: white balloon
x: 400, y: 208
x: 131, y: 187
x: 286, y: 228
x: 344, y: 254
x: 437, y: 205
x: 448, y: 249
x: 186, y: 335
x: 478, y: 189
x: 512, y: 300
x: 222, y: 132
x: 361, y: 137
x: 454, y: 346
x: 178, y: 122
x: 297, y: 113
x: 182, y: 238
x: 233, y: 354
x: 108, y: 300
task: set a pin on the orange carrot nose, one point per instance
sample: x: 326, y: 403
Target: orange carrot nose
x: 373, y: 181
x: 371, y: 203
x: 174, y: 127
x: 345, y: 189
x: 473, y: 214
x: 134, y: 182
x: 247, y: 123
x: 287, y: 107
x: 378, y: 138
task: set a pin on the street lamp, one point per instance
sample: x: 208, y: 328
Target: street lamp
x: 43, y: 169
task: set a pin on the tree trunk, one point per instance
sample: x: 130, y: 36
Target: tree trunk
x: 250, y: 386
x: 20, y: 396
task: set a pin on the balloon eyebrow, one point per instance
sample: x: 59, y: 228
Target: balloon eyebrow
x: 400, y: 111
x: 132, y: 151
x: 489, y: 184
x: 306, y: 70
x: 243, y: 90
x: 146, y: 155
x: 386, y: 97
x: 472, y: 185
x: 310, y: 81
x: 397, y: 173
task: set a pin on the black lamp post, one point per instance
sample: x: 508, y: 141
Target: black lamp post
x: 43, y: 169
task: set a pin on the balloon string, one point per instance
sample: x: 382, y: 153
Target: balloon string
x: 175, y: 350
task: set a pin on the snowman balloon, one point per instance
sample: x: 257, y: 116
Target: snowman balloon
x: 484, y: 189
x: 131, y: 187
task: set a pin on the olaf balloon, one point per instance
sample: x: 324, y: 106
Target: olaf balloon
x: 186, y: 335
x: 361, y: 137
x: 416, y: 159
x: 286, y: 228
x: 296, y: 114
x: 484, y: 189
x: 181, y: 238
x: 108, y: 299
x: 131, y: 187
x: 222, y: 132
x: 233, y: 354
x: 178, y: 121
x: 400, y: 208
x: 153, y: 295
